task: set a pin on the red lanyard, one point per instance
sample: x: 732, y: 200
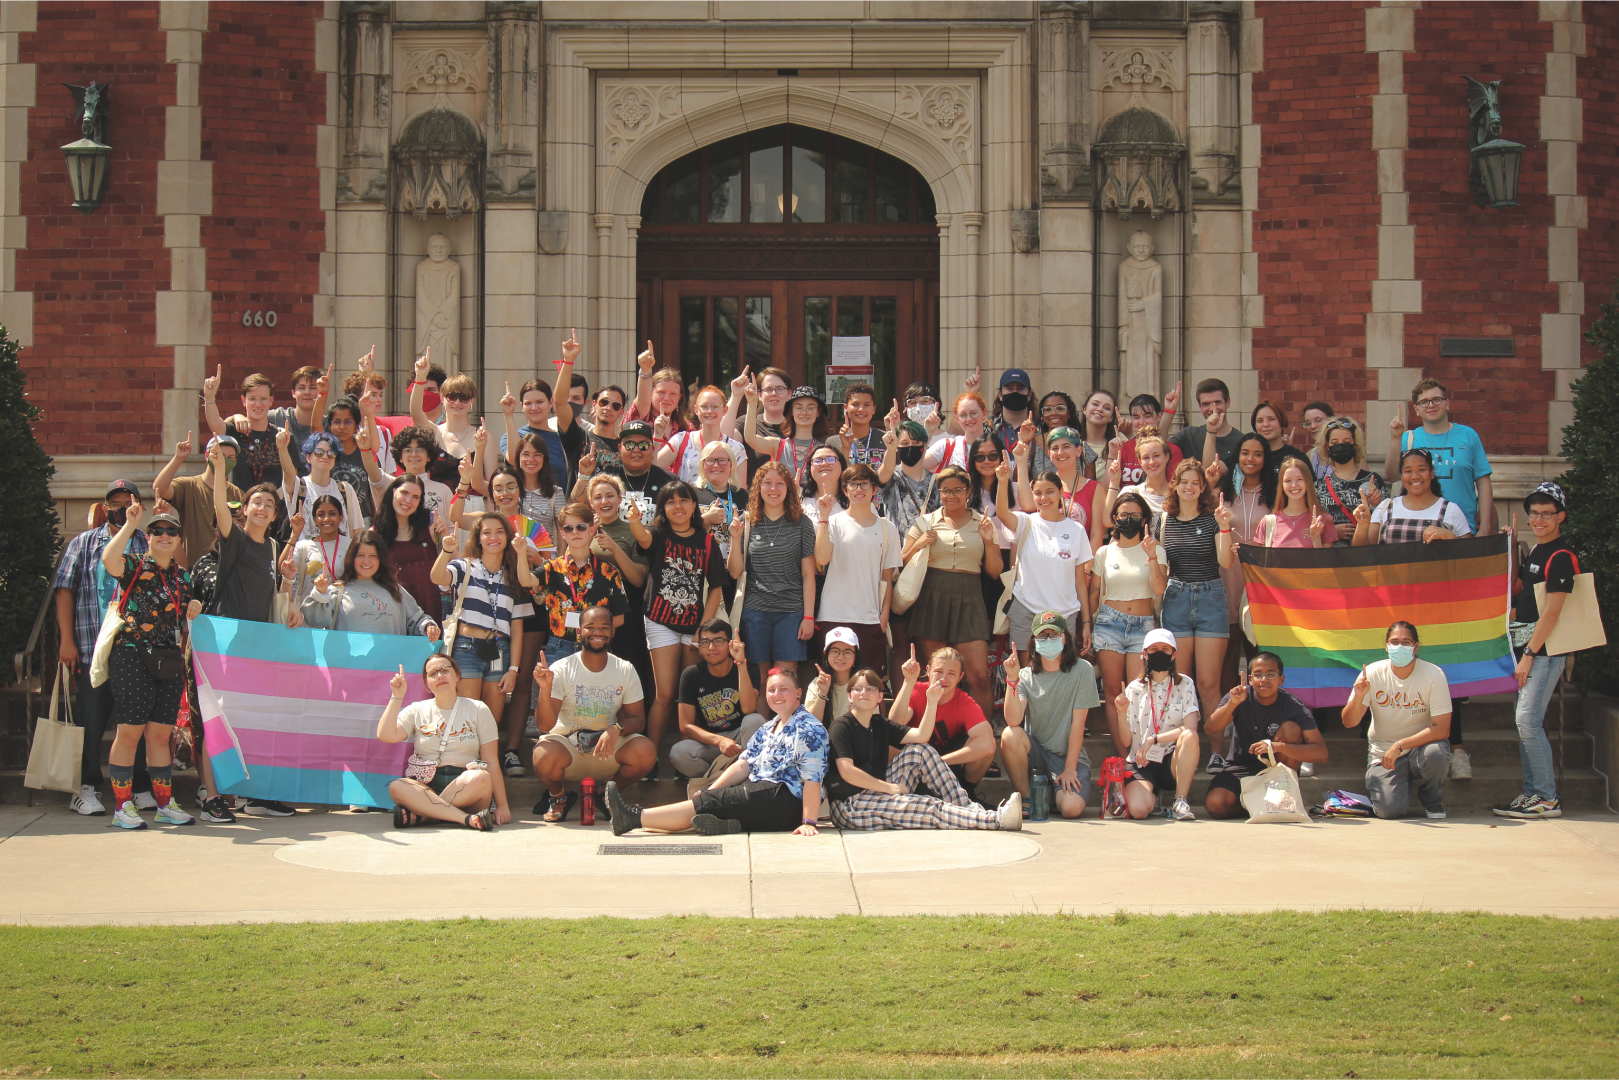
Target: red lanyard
x: 331, y: 571
x: 567, y: 575
x: 1152, y: 705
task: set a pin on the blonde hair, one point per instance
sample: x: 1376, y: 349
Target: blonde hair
x: 947, y: 653
x: 605, y: 478
x: 1345, y: 423
x: 459, y: 384
x: 1311, y: 503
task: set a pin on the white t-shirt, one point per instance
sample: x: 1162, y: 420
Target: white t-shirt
x: 1154, y: 501
x: 1046, y: 560
x: 948, y: 450
x: 1455, y: 520
x: 306, y: 488
x: 1157, y: 707
x: 436, y: 496
x: 328, y: 555
x: 688, y: 444
x: 1403, y: 707
x: 453, y: 737
x: 591, y: 699
x: 853, y: 578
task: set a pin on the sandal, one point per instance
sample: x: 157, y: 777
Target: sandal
x: 482, y: 821
x: 404, y: 819
x: 557, y: 807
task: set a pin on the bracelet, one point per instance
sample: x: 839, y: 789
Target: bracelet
x: 809, y: 618
x: 457, y: 497
x: 1224, y: 531
x: 643, y: 375
x: 809, y: 821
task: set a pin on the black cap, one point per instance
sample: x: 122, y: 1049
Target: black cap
x: 123, y: 485
x: 634, y: 427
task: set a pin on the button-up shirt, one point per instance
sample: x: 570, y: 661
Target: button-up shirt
x: 93, y: 588
x: 956, y: 549
x: 794, y: 755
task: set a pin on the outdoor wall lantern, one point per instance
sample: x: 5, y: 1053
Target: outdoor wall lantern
x: 89, y: 157
x: 1494, y: 161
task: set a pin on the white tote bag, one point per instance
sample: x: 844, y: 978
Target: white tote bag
x: 57, y: 750
x: 1579, y: 625
x: 1273, y: 795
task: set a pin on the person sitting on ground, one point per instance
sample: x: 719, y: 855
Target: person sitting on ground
x: 459, y: 735
x: 773, y: 784
x: 868, y: 791
x: 961, y: 733
x: 1409, y: 740
x: 828, y: 696
x: 1046, y: 706
x: 718, y: 705
x: 1161, y: 711
x: 1266, y: 718
x: 591, y: 713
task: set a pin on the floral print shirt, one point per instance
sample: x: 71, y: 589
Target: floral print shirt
x: 564, y: 588
x: 156, y: 611
x: 794, y: 755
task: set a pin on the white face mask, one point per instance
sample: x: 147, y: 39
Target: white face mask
x: 920, y: 413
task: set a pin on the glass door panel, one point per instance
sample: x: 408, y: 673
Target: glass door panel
x: 719, y: 326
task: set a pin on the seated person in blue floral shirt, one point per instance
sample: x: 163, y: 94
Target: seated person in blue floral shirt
x: 773, y: 786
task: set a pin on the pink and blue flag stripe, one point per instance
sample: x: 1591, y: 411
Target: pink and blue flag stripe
x: 292, y: 715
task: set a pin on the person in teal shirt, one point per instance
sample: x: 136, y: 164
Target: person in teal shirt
x: 1458, y: 454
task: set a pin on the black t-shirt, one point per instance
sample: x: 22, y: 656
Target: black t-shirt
x: 717, y: 698
x: 247, y: 577
x: 351, y: 467
x: 257, y: 459
x: 1191, y: 439
x: 1254, y: 722
x: 683, y: 569
x: 1539, y: 567
x: 866, y: 747
x: 1273, y: 465
x: 642, y: 489
x: 575, y: 443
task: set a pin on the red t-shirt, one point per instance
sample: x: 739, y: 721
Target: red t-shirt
x: 1130, y: 465
x: 953, y: 720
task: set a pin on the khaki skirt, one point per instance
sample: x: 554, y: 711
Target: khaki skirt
x: 949, y: 608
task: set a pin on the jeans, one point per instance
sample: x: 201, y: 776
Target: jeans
x: 1534, y: 749
x: 1196, y: 609
x: 1390, y: 789
x: 466, y: 655
x: 559, y: 649
x: 693, y: 759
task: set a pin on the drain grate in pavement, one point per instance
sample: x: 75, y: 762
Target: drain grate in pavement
x: 661, y: 849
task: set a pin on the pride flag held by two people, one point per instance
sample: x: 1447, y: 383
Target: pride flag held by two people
x: 1324, y: 611
x: 292, y: 715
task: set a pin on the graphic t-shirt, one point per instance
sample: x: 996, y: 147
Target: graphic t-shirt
x: 717, y: 698
x: 449, y: 737
x: 1458, y: 462
x: 953, y: 720
x: 155, y: 614
x: 1130, y: 470
x: 591, y: 699
x: 684, y: 569
x: 1403, y: 707
x: 351, y: 467
x: 257, y: 459
x: 642, y: 490
x: 1254, y: 722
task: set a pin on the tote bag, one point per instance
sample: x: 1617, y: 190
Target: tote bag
x: 909, y: 585
x: 1273, y: 795
x: 1003, y: 606
x: 57, y: 752
x: 1579, y: 626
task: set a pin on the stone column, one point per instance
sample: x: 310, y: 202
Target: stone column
x: 1562, y: 126
x: 1066, y: 114
x: 510, y: 186
x: 359, y: 237
x: 17, y: 82
x: 1212, y: 108
x: 970, y: 359
x: 1251, y: 57
x: 1066, y: 228
x: 1220, y: 229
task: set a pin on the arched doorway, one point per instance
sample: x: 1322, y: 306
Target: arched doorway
x: 760, y: 249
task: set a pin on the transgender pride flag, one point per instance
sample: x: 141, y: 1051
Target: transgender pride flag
x: 292, y: 714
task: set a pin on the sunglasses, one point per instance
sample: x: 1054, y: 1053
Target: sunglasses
x: 322, y: 453
x: 1340, y: 422
x: 609, y: 403
x: 637, y: 445
x: 163, y: 530
x: 458, y: 397
x: 576, y: 528
x: 987, y: 457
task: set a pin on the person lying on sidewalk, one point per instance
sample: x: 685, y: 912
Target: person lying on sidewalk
x: 1267, y: 717
x: 773, y: 785
x: 868, y: 791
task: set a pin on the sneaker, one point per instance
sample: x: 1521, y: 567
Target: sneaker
x: 172, y: 814
x: 511, y: 763
x: 1182, y: 811
x: 128, y: 818
x: 1531, y: 806
x: 1436, y: 814
x: 356, y: 808
x: 268, y: 808
x: 531, y: 730
x: 1306, y: 769
x: 202, y: 797
x: 1461, y: 766
x: 709, y: 825
x: 87, y: 802
x: 1011, y: 813
x: 145, y: 801
x: 1510, y: 809
x: 625, y: 817
x: 1217, y: 764
x: 215, y: 812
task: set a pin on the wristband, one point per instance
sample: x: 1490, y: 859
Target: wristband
x: 643, y: 375
x: 457, y: 497
x: 1224, y: 531
x: 809, y: 618
x: 809, y: 821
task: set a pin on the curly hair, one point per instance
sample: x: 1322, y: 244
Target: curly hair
x: 1073, y: 419
x: 413, y: 435
x: 794, y: 509
x: 1205, y: 498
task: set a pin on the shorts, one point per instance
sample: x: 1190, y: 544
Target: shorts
x: 1230, y: 779
x: 873, y: 645
x: 1022, y: 625
x: 1196, y: 609
x: 772, y: 635
x: 466, y: 655
x: 1043, y: 760
x: 444, y: 776
x: 760, y: 805
x: 1114, y: 631
x: 659, y: 636
x: 1156, y: 773
x: 139, y: 699
x: 582, y: 763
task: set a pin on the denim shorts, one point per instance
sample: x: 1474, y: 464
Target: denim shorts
x: 466, y: 654
x: 1196, y: 609
x: 1117, y: 632
x: 772, y: 635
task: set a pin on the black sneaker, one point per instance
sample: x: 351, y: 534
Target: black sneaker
x: 511, y: 763
x: 1217, y: 764
x: 268, y: 808
x: 709, y: 825
x: 1510, y: 809
x: 215, y: 812
x: 1531, y: 807
x: 625, y: 817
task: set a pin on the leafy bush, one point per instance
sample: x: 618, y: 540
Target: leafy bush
x: 30, y: 538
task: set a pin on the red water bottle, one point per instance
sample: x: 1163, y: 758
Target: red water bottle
x: 587, y: 801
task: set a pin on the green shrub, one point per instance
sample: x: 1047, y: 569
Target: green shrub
x: 30, y: 538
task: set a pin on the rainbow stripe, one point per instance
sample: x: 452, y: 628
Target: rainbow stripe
x: 523, y: 525
x: 1325, y: 611
x: 292, y: 714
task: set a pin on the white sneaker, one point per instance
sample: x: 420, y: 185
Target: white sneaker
x: 1436, y: 815
x: 202, y: 797
x: 145, y: 801
x: 1461, y: 766
x: 1306, y: 769
x: 1011, y: 813
x: 1182, y: 811
x: 127, y: 818
x: 172, y: 814
x: 87, y: 802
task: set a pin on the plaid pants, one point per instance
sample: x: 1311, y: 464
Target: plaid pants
x: 916, y: 763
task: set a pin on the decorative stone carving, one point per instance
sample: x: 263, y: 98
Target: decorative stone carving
x: 1141, y: 317
x: 552, y: 231
x: 631, y: 112
x: 438, y: 304
x: 513, y: 103
x: 1139, y: 155
x: 364, y: 92
x: 1025, y: 231
x: 948, y: 111
x: 443, y: 69
x: 1065, y: 104
x: 439, y: 158
x: 1138, y: 68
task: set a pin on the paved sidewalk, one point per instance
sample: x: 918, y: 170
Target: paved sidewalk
x: 58, y: 869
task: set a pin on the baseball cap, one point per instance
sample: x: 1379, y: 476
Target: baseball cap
x: 1546, y: 489
x: 634, y: 427
x: 842, y: 635
x: 1158, y: 637
x: 809, y: 393
x: 168, y: 516
x: 1049, y: 620
x: 223, y: 440
x: 1016, y: 375
x: 125, y: 486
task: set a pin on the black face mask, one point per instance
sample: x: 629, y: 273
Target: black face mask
x: 1160, y: 661
x: 1343, y: 453
x: 908, y: 455
x: 1128, y: 527
x: 1015, y: 402
x: 116, y: 515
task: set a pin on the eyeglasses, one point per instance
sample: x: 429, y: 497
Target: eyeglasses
x: 865, y: 485
x: 636, y: 445
x: 1264, y: 676
x: 1544, y: 515
x: 1431, y: 402
x: 953, y: 491
x: 1059, y: 408
x: 457, y: 397
x: 610, y: 404
x: 1049, y: 635
x: 987, y: 457
x: 924, y: 400
x: 571, y: 530
x: 163, y: 530
x: 711, y: 642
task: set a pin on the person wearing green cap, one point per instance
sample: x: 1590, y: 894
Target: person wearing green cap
x: 1046, y: 707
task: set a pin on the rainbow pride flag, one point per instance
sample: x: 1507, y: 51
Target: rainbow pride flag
x: 1325, y: 611
x: 523, y: 525
x: 292, y: 714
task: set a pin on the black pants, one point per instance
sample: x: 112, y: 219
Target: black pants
x: 760, y: 805
x: 92, y: 710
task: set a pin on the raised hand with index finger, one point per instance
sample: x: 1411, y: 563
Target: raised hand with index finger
x: 397, y: 685
x: 910, y: 668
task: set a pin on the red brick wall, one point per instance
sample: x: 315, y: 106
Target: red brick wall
x: 1599, y: 160
x: 1315, y: 231
x: 95, y: 368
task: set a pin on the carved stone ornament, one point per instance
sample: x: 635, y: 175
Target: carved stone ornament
x: 438, y: 159
x: 443, y: 70
x: 948, y: 111
x: 1138, y: 68
x: 1138, y: 164
x: 632, y: 112
x: 1025, y: 231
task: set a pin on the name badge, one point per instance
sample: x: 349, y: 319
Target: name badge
x: 571, y: 620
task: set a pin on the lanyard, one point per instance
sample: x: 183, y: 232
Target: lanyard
x: 169, y: 594
x: 1152, y: 705
x: 331, y: 571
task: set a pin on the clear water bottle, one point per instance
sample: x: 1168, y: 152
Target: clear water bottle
x: 1039, y: 796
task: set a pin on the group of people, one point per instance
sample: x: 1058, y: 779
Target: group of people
x: 625, y: 567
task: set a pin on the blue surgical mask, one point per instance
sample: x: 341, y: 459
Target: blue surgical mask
x: 1048, y: 647
x: 1401, y: 655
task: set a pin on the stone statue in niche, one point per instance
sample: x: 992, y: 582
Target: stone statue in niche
x: 438, y: 304
x: 1141, y: 318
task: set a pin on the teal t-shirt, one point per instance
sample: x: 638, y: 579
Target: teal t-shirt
x: 1458, y: 462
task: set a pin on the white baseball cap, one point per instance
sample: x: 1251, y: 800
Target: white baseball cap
x: 843, y: 635
x: 1158, y: 637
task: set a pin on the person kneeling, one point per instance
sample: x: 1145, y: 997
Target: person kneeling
x: 1409, y: 740
x: 1266, y: 718
x: 1161, y: 710
x: 870, y: 792
x: 773, y: 786
x: 459, y: 734
x: 1046, y: 706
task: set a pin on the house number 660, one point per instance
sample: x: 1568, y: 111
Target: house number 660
x: 258, y: 318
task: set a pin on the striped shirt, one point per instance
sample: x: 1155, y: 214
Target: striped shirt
x: 489, y: 602
x: 1188, y: 548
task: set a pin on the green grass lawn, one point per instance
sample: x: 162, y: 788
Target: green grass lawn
x: 1365, y: 994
